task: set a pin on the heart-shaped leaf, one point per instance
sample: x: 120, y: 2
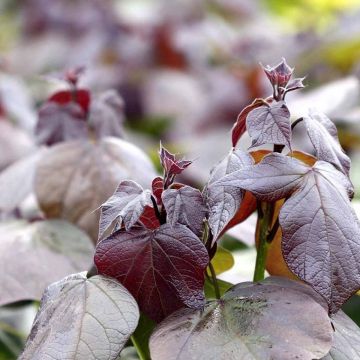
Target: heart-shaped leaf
x: 163, y: 268
x: 240, y: 125
x: 185, y: 206
x: 346, y: 345
x: 322, y: 247
x: 58, y: 123
x: 323, y: 135
x: 270, y: 124
x: 90, y: 172
x: 126, y: 204
x: 82, y: 319
x: 224, y: 201
x: 275, y: 177
x: 33, y: 255
x: 273, y: 319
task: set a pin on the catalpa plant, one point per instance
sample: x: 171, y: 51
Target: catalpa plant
x: 156, y: 262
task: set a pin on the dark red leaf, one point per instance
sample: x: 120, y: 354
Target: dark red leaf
x: 58, y: 123
x: 185, y: 206
x: 158, y: 188
x: 80, y: 96
x: 240, y: 125
x: 269, y: 124
x: 149, y: 218
x: 163, y: 268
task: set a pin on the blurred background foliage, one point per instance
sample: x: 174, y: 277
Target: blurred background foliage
x: 185, y: 69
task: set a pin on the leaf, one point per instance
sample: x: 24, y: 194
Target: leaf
x: 171, y: 165
x: 149, y: 218
x: 106, y: 116
x: 126, y: 205
x: 163, y: 268
x: 89, y: 174
x: 323, y: 135
x: 273, y: 319
x: 269, y: 124
x: 185, y: 206
x: 33, y: 255
x: 240, y: 125
x: 58, y: 123
x: 224, y: 202
x: 275, y: 177
x: 82, y: 319
x: 16, y: 181
x: 322, y: 246
x: 157, y: 187
x: 222, y: 261
x: 346, y: 345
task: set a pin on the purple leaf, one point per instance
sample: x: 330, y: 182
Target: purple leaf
x: 270, y: 124
x: 240, y: 125
x: 274, y: 319
x: 346, y: 343
x: 163, y: 268
x: 171, y: 165
x: 224, y: 201
x: 60, y: 122
x: 295, y: 84
x: 323, y: 135
x: 321, y: 235
x: 158, y: 188
x: 274, y: 178
x: 126, y: 204
x: 185, y: 206
x: 106, y: 115
x: 280, y: 74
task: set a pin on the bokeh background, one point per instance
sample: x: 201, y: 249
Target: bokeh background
x: 185, y: 69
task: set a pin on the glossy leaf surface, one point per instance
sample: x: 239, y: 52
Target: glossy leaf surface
x: 273, y: 319
x: 163, y: 268
x: 83, y: 319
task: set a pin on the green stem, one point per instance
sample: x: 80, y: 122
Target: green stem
x: 140, y: 351
x: 264, y: 222
x: 214, y: 280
